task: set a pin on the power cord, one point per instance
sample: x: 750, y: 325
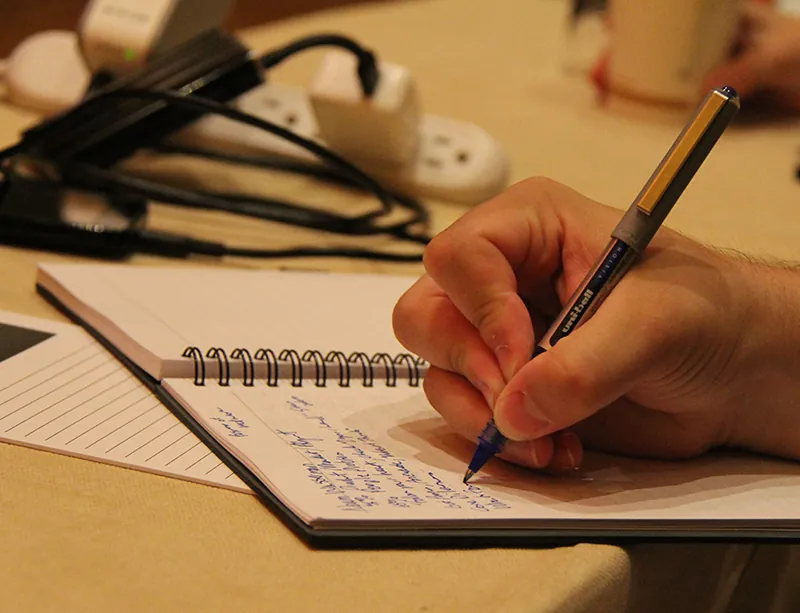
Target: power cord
x: 338, y: 170
x: 85, y: 176
x: 43, y: 227
x: 421, y: 216
x: 201, y: 105
x: 161, y: 243
x: 368, y: 73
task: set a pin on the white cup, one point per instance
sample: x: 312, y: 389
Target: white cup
x: 660, y: 50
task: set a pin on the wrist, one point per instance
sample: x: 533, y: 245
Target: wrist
x: 766, y: 412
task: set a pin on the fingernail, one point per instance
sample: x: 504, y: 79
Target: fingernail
x: 506, y: 360
x: 519, y: 418
x: 537, y: 462
x: 573, y: 464
x: 571, y: 442
x: 488, y: 395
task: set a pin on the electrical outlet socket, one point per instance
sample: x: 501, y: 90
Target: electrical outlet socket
x: 285, y: 105
x: 455, y: 160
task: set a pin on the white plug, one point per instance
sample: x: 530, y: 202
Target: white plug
x: 122, y: 35
x: 46, y: 72
x: 383, y: 127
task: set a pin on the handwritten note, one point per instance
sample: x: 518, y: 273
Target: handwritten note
x: 350, y: 457
x: 363, y: 474
x: 302, y: 444
x: 234, y: 425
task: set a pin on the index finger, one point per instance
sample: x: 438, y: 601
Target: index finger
x: 477, y: 260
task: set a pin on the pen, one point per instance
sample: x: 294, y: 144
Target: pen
x: 631, y: 236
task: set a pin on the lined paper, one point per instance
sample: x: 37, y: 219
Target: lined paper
x: 69, y: 395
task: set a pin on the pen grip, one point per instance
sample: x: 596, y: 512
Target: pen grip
x: 614, y: 262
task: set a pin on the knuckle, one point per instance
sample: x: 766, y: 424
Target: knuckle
x: 487, y: 311
x: 440, y: 253
x: 458, y: 360
x: 536, y: 184
x: 536, y: 190
x: 432, y: 386
x: 404, y: 314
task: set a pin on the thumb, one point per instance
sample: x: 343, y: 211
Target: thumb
x: 585, y: 372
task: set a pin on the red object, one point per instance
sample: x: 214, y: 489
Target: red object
x: 599, y: 74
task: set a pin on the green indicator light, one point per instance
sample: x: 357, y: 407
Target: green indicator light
x: 129, y: 55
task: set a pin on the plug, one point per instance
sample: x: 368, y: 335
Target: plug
x: 383, y: 127
x: 46, y: 72
x: 122, y: 36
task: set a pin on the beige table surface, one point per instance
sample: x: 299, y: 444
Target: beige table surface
x: 81, y: 536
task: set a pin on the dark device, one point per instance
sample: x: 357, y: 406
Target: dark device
x: 103, y: 131
x: 43, y: 215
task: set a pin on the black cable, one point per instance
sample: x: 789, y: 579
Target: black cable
x: 339, y: 170
x: 340, y: 252
x: 11, y: 151
x: 78, y: 174
x: 420, y: 213
x: 171, y: 245
x: 202, y: 105
x: 367, y: 65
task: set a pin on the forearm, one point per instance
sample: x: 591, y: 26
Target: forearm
x: 767, y: 405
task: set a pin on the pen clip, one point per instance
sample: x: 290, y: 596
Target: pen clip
x: 682, y: 148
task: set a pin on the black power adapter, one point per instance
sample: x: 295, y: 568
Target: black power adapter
x: 102, y: 131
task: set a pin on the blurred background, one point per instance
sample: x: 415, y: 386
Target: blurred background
x: 21, y: 18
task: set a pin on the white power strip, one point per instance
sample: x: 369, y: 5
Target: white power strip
x: 456, y: 161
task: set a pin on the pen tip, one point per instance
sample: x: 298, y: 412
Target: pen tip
x: 468, y: 475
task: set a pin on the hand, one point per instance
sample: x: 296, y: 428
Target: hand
x: 768, y: 61
x: 667, y: 367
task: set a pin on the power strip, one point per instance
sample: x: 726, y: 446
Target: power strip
x: 456, y: 161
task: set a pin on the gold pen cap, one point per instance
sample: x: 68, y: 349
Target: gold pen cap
x: 687, y: 144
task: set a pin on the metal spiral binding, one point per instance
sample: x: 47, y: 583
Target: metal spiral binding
x: 297, y: 365
x: 199, y: 364
x: 248, y: 368
x: 224, y: 367
x: 388, y: 368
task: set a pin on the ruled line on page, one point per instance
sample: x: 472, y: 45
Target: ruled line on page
x: 84, y: 403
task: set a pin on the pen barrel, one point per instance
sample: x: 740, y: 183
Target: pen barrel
x: 617, y: 258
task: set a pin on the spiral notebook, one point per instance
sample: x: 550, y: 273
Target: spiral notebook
x: 296, y: 382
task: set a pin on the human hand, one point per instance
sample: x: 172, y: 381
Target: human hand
x: 666, y: 368
x: 768, y: 59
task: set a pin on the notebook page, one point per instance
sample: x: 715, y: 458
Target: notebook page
x: 158, y: 312
x: 346, y: 456
x: 61, y: 391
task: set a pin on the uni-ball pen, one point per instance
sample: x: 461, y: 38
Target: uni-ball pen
x: 631, y: 236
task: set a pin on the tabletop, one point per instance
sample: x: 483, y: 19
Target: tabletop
x: 82, y: 536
